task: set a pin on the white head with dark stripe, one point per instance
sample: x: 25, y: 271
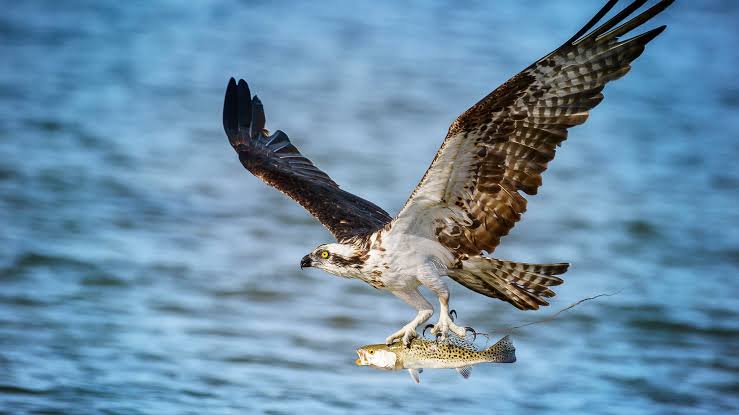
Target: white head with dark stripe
x: 344, y: 260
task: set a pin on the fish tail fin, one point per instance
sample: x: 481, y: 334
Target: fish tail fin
x: 524, y: 285
x: 501, y: 352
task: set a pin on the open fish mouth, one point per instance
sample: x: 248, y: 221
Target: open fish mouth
x: 362, y: 360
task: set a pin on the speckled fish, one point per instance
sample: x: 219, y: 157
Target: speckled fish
x: 453, y: 353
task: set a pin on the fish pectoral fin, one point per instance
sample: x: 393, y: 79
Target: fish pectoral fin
x: 414, y: 374
x: 465, y: 371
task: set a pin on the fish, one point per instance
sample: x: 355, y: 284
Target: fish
x: 454, y: 353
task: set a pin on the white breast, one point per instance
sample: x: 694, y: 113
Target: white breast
x: 399, y: 256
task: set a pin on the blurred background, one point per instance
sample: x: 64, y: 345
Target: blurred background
x: 144, y: 271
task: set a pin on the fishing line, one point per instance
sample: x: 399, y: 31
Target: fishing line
x: 550, y: 318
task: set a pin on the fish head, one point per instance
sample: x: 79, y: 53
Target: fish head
x: 380, y: 356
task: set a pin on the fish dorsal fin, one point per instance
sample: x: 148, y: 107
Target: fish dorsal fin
x: 465, y: 371
x: 461, y: 342
x: 414, y: 374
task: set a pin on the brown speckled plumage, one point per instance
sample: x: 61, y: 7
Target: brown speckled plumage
x: 504, y: 142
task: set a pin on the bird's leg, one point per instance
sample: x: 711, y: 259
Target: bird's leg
x: 425, y: 311
x: 430, y: 274
x: 446, y: 324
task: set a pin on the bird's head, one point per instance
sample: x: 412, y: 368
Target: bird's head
x: 380, y: 356
x: 339, y: 259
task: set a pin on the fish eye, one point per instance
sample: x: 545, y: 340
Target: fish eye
x: 371, y: 352
x: 324, y: 254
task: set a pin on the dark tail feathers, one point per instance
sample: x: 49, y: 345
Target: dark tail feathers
x: 524, y: 285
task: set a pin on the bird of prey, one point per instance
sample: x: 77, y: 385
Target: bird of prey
x: 470, y: 196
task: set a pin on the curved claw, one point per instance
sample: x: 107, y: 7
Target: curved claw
x: 428, y: 326
x: 474, y: 333
x: 453, y: 315
x: 438, y: 336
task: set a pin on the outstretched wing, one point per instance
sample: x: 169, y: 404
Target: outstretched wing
x: 469, y: 198
x: 278, y: 163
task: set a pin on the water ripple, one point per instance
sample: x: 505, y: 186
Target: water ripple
x: 144, y: 271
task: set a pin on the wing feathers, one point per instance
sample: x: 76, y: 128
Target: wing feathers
x: 231, y: 112
x: 243, y: 104
x: 257, y: 116
x: 637, y: 21
x: 502, y: 145
x: 620, y: 16
x: 592, y: 22
x: 276, y: 161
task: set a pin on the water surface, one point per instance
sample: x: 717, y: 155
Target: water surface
x: 144, y: 271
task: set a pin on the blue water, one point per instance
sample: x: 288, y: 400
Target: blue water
x: 143, y: 271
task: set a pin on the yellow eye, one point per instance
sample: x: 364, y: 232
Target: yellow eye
x: 324, y: 254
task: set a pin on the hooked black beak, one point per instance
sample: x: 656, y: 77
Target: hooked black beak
x: 306, y: 262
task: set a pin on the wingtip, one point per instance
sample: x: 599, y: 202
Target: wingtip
x: 243, y: 88
x: 230, y: 110
x: 648, y: 36
x: 637, y: 21
x: 593, y: 21
x: 257, y: 116
x: 245, y: 110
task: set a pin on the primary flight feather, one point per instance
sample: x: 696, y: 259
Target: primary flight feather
x: 470, y: 196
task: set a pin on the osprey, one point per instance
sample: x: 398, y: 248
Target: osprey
x: 470, y: 196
